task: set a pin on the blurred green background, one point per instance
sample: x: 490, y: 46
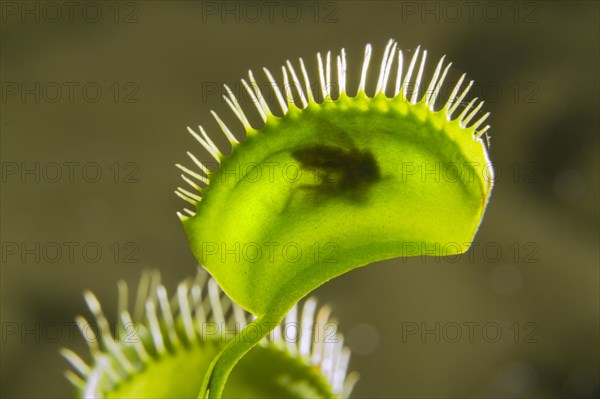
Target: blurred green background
x: 142, y: 71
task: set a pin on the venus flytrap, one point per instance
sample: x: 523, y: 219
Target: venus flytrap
x: 353, y: 192
x: 163, y: 347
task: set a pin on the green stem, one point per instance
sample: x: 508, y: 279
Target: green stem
x: 225, y: 361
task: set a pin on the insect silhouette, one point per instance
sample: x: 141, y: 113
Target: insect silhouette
x: 338, y: 172
x: 337, y: 169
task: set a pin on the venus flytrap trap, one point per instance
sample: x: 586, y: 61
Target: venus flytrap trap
x: 354, y: 193
x: 163, y: 348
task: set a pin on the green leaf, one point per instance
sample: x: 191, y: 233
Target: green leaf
x: 337, y: 184
x: 266, y: 372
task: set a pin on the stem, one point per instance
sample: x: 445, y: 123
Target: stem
x: 225, y: 361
